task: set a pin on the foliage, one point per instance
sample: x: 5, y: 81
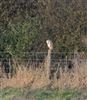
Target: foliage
x: 26, y: 24
x: 64, y: 22
x: 16, y: 38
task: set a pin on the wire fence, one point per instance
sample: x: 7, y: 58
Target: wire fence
x: 19, y: 68
x: 36, y: 58
x: 39, y: 57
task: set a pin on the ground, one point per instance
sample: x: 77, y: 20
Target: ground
x: 42, y: 94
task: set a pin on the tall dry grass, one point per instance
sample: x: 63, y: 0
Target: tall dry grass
x: 36, y: 78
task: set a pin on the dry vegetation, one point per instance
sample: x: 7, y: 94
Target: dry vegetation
x: 37, y: 78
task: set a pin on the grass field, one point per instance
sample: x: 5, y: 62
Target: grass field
x: 70, y: 86
x: 41, y: 94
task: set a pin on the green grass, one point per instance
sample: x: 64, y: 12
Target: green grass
x: 55, y: 95
x: 26, y: 94
x: 9, y: 93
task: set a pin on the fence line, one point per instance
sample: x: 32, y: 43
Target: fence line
x: 35, y: 56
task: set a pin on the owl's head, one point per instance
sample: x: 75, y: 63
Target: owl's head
x: 49, y: 44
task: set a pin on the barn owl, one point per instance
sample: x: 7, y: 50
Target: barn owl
x: 49, y: 44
